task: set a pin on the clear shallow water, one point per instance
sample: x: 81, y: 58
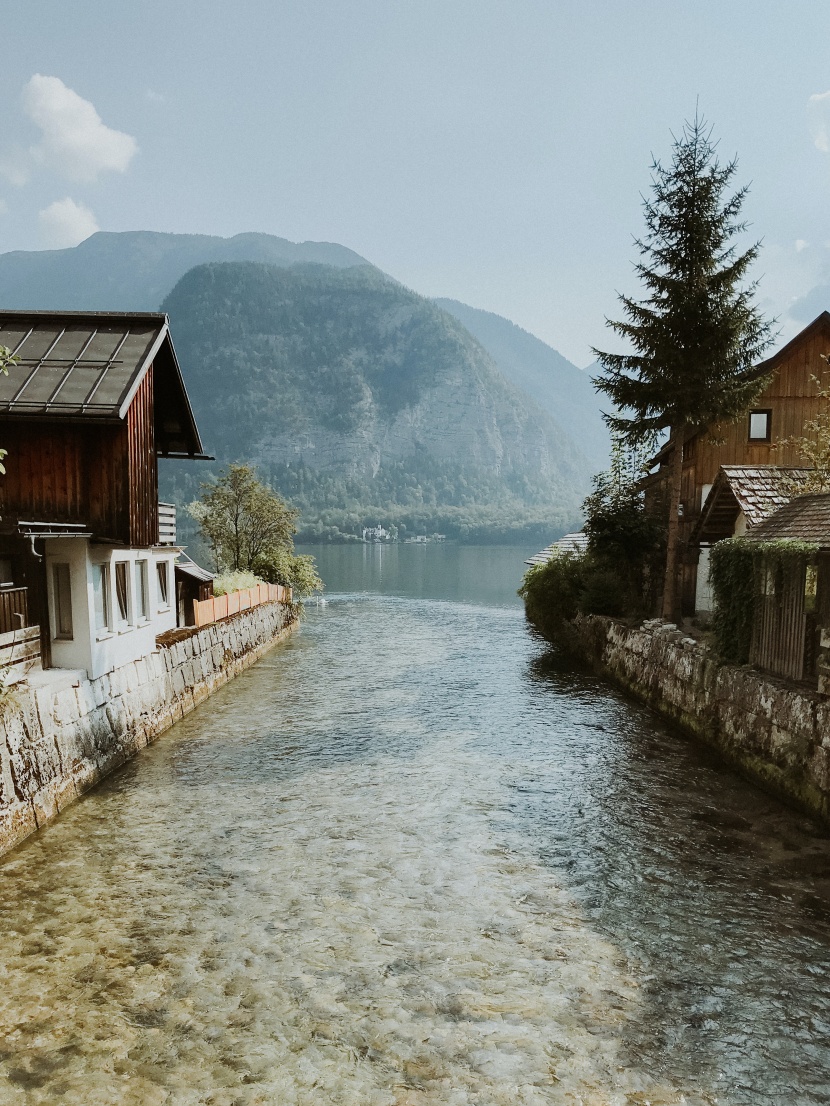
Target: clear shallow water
x: 411, y: 859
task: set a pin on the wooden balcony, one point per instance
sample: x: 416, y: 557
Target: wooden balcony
x: 14, y: 609
x: 167, y: 523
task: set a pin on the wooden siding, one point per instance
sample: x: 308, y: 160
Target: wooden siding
x: 790, y: 396
x: 143, y: 467
x: 101, y: 475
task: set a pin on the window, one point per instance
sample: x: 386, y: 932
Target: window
x: 122, y: 592
x: 760, y: 424
x: 62, y: 598
x: 142, y: 605
x: 101, y: 593
x: 164, y: 586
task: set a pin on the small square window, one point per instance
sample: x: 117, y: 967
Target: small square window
x: 759, y: 426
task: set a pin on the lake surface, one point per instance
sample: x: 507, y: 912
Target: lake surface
x: 412, y: 858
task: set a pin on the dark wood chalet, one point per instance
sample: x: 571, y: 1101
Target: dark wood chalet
x: 94, y: 400
x: 757, y: 440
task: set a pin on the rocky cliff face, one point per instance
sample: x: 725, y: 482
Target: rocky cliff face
x: 344, y: 373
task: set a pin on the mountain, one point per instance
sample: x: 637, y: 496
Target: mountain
x: 135, y: 270
x: 361, y: 399
x: 558, y: 386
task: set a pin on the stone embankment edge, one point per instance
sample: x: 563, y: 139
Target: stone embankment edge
x: 775, y: 732
x: 56, y: 745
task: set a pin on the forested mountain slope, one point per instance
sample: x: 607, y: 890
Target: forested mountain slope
x: 135, y: 270
x: 361, y: 399
x: 557, y: 385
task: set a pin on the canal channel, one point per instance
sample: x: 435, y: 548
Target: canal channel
x: 413, y: 858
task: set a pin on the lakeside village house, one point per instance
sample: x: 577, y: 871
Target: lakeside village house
x: 90, y: 573
x: 739, y: 480
x: 733, y: 475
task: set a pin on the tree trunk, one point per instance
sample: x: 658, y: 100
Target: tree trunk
x: 670, y: 598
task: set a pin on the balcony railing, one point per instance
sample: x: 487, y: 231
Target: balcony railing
x: 14, y: 609
x: 167, y: 523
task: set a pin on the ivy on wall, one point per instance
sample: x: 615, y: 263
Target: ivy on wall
x: 735, y: 573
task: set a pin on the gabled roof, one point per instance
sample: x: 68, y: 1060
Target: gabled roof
x: 805, y: 518
x: 756, y: 490
x: 763, y: 368
x: 89, y: 365
x: 820, y: 322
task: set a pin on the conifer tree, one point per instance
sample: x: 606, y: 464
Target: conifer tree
x: 694, y: 338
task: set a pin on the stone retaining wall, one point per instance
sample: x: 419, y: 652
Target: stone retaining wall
x: 60, y: 739
x: 776, y: 732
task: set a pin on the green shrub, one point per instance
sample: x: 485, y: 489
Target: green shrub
x: 235, y: 581
x: 552, y: 592
x: 602, y: 592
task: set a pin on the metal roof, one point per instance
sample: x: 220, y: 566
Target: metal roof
x: 805, y: 518
x: 189, y: 567
x: 89, y: 365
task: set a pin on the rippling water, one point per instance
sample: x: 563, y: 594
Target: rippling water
x: 412, y: 859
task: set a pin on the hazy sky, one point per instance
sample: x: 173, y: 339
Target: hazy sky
x: 494, y: 151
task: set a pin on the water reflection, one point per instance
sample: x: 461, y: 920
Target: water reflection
x: 409, y: 859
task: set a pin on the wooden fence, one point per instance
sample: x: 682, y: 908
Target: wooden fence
x: 780, y: 625
x: 19, y: 653
x: 223, y: 606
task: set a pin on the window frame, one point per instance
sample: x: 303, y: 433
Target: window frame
x: 62, y: 591
x: 124, y: 622
x: 163, y: 574
x: 141, y: 593
x: 760, y: 411
x: 104, y: 577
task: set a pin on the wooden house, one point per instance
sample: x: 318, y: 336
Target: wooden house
x: 757, y: 440
x: 87, y: 552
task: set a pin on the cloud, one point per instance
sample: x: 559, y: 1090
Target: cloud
x: 153, y: 97
x: 819, y: 108
x: 65, y: 223
x: 74, y: 139
x: 801, y: 244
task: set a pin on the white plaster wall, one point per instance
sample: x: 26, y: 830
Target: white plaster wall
x: 101, y: 651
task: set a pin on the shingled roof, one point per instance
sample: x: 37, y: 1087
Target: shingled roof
x: 89, y: 365
x: 805, y: 518
x: 757, y: 491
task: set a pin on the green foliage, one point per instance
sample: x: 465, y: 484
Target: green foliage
x: 242, y: 519
x: 623, y: 536
x: 735, y: 572
x: 227, y: 582
x: 291, y: 570
x: 250, y: 531
x: 697, y: 335
x: 552, y: 592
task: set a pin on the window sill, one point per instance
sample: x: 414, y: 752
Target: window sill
x: 105, y: 636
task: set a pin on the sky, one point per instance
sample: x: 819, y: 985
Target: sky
x: 493, y: 151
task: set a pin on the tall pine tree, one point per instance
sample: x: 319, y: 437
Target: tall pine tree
x: 694, y: 338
